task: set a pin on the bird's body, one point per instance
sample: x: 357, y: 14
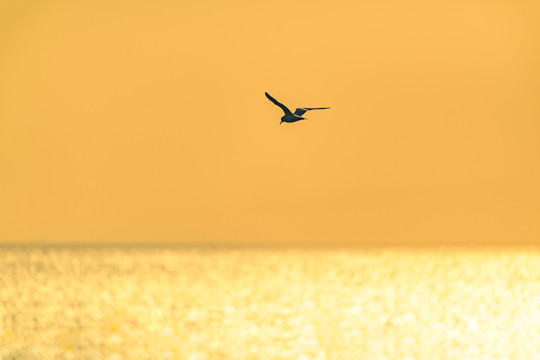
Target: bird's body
x: 289, y: 117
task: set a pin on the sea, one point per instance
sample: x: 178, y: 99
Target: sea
x: 269, y: 303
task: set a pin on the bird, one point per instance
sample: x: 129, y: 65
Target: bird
x: 289, y: 117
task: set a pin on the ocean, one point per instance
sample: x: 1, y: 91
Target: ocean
x: 206, y: 303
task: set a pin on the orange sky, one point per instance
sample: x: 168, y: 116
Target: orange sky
x: 146, y: 121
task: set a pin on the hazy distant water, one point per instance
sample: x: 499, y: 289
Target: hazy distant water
x: 247, y: 303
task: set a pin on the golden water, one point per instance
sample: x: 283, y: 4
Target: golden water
x: 265, y: 303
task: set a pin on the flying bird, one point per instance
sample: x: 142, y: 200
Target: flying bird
x: 289, y: 117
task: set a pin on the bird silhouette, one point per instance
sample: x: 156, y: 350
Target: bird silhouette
x: 289, y: 117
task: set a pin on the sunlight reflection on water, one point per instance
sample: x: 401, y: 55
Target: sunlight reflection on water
x: 265, y: 303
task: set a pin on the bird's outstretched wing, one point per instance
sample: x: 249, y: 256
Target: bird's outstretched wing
x: 301, y: 111
x: 285, y: 109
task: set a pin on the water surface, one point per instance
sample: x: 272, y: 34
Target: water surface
x: 204, y: 303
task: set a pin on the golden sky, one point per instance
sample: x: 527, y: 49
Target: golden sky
x: 146, y: 121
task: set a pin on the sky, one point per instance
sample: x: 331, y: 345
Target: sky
x: 146, y: 122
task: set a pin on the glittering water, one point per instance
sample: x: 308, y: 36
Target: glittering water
x: 263, y: 303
